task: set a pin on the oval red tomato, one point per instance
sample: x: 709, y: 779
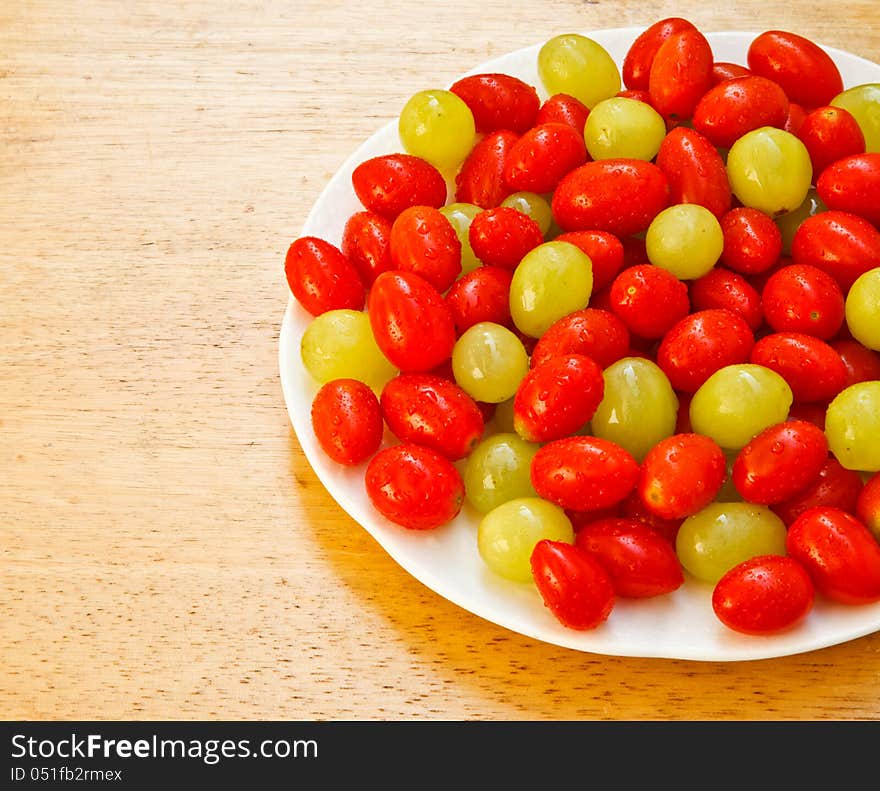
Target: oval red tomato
x: 752, y: 241
x: 605, y: 251
x: 681, y: 72
x: 389, y: 183
x: 852, y: 184
x: 564, y: 109
x: 636, y: 66
x: 423, y: 241
x: 498, y: 101
x: 347, y: 421
x: 503, y: 235
x: 803, y: 298
x: 592, y: 332
x: 321, y: 278
x: 366, y: 243
x: 649, y: 300
x: 810, y: 366
x: 723, y: 289
x: 480, y: 179
x: 695, y: 171
x: 835, y: 487
x: 542, y: 156
x: 830, y: 133
x: 481, y: 295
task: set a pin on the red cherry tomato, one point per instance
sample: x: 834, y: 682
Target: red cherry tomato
x: 723, y: 289
x: 867, y: 507
x: 636, y: 67
x: 724, y: 70
x: 414, y: 486
x: 764, y: 595
x: 583, y: 473
x: 695, y: 171
x: 480, y: 180
x: 542, y: 156
x: 366, y: 243
x: 803, y: 298
x: 780, y: 462
x: 681, y: 72
x: 605, y: 251
x: 810, y: 367
x: 573, y: 584
x: 411, y: 323
x: 557, y: 398
x: 796, y: 117
x: 498, y: 101
x: 806, y: 73
x: 862, y: 364
x: 632, y: 507
x: 432, y: 411
x: 680, y: 475
x: 423, y: 241
x: 503, y: 235
x: 347, y: 421
x: 700, y: 344
x: 592, y: 332
x: 481, y: 295
x: 752, y: 241
x: 640, y: 562
x: 649, y: 300
x: 390, y: 183
x: 853, y: 184
x: 834, y: 487
x: 321, y: 278
x: 830, y: 133
x: 638, y: 95
x: 838, y: 552
x: 620, y: 196
x: 564, y: 109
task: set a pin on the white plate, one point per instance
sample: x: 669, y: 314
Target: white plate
x: 681, y: 625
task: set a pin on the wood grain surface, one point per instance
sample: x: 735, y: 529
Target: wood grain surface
x: 167, y: 552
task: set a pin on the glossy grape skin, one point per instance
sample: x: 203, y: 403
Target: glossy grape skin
x: 498, y: 470
x: 863, y: 309
x: 532, y: 205
x: 852, y: 426
x: 739, y: 401
x: 489, y: 361
x: 507, y: 535
x: 622, y: 127
x: 686, y: 240
x: 578, y: 66
x: 639, y: 407
x: 460, y: 216
x: 715, y: 539
x: 339, y: 344
x: 437, y: 126
x: 863, y: 102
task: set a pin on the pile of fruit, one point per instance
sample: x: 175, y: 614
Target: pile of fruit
x: 634, y: 325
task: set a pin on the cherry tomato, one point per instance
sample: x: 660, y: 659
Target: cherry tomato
x: 480, y: 180
x: 723, y: 289
x: 620, y: 196
x: 649, y: 300
x: 557, y: 397
x: 764, y: 595
x: 432, y: 411
x: 701, y: 343
x: 835, y: 487
x: 780, y: 462
x: 695, y: 171
x: 481, y: 295
x: 638, y: 95
x: 640, y: 562
x: 752, y: 241
x: 321, y: 278
x: 573, y: 584
x: 796, y: 117
x: 681, y: 72
x: 862, y: 364
x: 802, y: 68
x: 868, y: 505
x: 389, y: 183
x: 503, y: 235
x: 583, y: 473
x: 840, y: 554
x: 542, y: 156
x: 414, y: 486
x: 636, y: 67
x: 632, y: 507
x: 366, y: 243
x: 724, y: 70
x: 498, y: 101
x: 605, y: 251
x: 592, y: 332
x: 423, y: 241
x: 810, y: 366
x: 830, y: 133
x: 564, y: 109
x: 411, y: 323
x: 347, y: 421
x: 853, y: 184
x: 803, y: 298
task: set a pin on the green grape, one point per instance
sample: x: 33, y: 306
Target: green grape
x: 712, y: 541
x: 769, y: 169
x: 460, y: 216
x: 789, y: 222
x: 339, y: 344
x: 639, y: 406
x: 739, y: 401
x: 622, y: 127
x: 502, y: 420
x: 552, y: 280
x: 489, y: 362
x: 498, y: 470
x: 437, y: 126
x: 574, y: 64
x: 852, y: 426
x: 863, y: 103
x: 685, y: 239
x: 532, y: 205
x: 863, y: 309
x: 507, y: 534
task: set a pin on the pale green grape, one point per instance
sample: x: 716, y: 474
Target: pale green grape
x: 863, y: 309
x: 489, y: 362
x: 574, y: 64
x: 532, y: 205
x: 863, y: 103
x: 769, y: 169
x: 852, y: 426
x: 552, y: 280
x: 460, y: 216
x: 498, y: 470
x: 437, y: 126
x: 623, y: 127
x: 339, y: 344
x: 685, y: 239
x: 789, y: 222
x: 639, y: 406
x: 739, y: 401
x: 507, y: 534
x: 714, y: 540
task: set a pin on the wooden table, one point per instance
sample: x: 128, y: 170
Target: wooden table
x: 167, y: 552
